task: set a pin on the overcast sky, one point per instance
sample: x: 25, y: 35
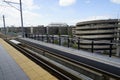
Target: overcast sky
x: 43, y: 12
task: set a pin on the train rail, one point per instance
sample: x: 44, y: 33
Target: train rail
x: 105, y: 69
x: 53, y: 69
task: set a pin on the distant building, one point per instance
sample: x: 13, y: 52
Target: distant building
x: 57, y: 29
x: 35, y: 29
x: 101, y: 31
x: 73, y: 30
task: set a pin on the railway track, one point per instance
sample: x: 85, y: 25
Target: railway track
x: 37, y: 48
x: 28, y: 51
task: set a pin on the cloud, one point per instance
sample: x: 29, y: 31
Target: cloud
x: 66, y: 2
x: 16, y: 1
x: 90, y: 18
x: 30, y: 17
x: 115, y: 1
x: 29, y: 5
x: 87, y: 1
x: 96, y: 18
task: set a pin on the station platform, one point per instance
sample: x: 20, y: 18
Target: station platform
x: 114, y: 61
x: 15, y: 66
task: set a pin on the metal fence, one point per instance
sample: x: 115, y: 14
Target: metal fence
x: 69, y: 42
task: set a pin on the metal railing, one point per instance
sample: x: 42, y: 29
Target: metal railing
x: 76, y: 43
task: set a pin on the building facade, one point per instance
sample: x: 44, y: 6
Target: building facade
x: 99, y: 31
x: 35, y: 30
x: 57, y: 29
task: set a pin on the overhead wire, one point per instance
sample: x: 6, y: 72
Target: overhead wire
x: 2, y: 8
x: 12, y: 5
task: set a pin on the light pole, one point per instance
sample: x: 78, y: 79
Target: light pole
x: 21, y: 14
x: 4, y: 24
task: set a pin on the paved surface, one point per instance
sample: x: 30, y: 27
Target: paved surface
x: 114, y: 61
x: 106, y: 67
x: 9, y: 69
x: 28, y: 67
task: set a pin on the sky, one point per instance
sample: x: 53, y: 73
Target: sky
x: 44, y: 12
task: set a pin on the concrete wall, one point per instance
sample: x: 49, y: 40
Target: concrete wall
x: 97, y: 30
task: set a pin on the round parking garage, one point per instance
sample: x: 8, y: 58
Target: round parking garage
x: 102, y: 34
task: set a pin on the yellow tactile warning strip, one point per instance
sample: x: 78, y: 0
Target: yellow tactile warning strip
x: 32, y: 70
